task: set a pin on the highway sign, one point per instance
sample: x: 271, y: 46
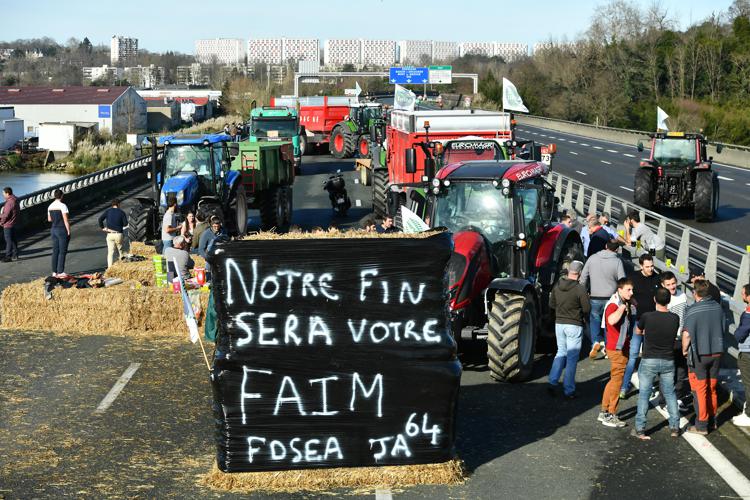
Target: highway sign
x: 409, y: 75
x: 441, y: 74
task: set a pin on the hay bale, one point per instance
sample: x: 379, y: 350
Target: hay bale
x: 143, y: 271
x: 451, y: 472
x: 335, y: 233
x: 124, y: 310
x: 140, y: 248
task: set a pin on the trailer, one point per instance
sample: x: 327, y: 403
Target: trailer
x: 319, y: 115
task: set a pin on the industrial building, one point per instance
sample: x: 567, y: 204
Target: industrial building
x: 11, y: 128
x: 117, y: 109
x: 195, y: 105
x: 123, y: 51
x: 220, y: 50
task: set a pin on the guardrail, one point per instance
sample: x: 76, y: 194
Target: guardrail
x: 87, y: 189
x: 726, y: 265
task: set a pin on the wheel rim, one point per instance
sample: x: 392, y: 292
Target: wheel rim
x: 338, y: 142
x: 526, y: 338
x: 363, y: 149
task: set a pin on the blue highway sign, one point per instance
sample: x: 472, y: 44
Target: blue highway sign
x: 409, y: 75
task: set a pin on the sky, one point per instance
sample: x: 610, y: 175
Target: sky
x: 161, y: 26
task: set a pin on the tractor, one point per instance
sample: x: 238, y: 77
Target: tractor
x: 508, y: 253
x: 351, y: 136
x: 279, y: 123
x: 678, y: 174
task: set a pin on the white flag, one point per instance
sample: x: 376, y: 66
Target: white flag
x: 661, y: 119
x: 357, y: 88
x: 411, y: 222
x: 511, y: 100
x: 404, y: 98
x: 187, y: 307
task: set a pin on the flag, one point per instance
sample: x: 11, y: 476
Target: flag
x: 357, y: 88
x: 411, y: 222
x: 404, y: 98
x: 661, y: 119
x: 187, y: 307
x: 511, y: 100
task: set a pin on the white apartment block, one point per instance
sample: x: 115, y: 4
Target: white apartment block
x: 378, y: 53
x: 414, y: 52
x: 123, y: 50
x: 145, y: 76
x: 477, y: 48
x: 106, y: 73
x: 223, y: 50
x: 301, y: 49
x: 444, y: 51
x: 340, y: 51
x: 265, y: 50
x: 511, y: 51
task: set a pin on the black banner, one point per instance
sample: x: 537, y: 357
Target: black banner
x: 333, y: 352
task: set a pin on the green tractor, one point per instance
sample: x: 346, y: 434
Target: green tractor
x: 279, y: 123
x: 352, y: 135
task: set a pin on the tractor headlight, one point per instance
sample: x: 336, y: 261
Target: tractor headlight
x: 446, y: 183
x: 436, y: 182
x: 506, y: 191
x: 506, y: 183
x: 180, y: 197
x: 436, y: 190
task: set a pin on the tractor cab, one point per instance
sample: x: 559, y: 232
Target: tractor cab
x: 278, y: 123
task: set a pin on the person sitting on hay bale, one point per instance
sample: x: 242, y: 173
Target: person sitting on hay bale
x: 178, y: 252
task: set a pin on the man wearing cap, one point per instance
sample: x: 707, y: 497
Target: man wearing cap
x: 178, y: 252
x: 571, y: 304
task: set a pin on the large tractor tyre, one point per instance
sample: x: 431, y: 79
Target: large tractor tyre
x: 380, y: 192
x: 363, y: 146
x: 303, y: 145
x: 272, y: 209
x: 573, y: 250
x: 337, y: 144
x: 706, y: 196
x: 287, y: 205
x: 238, y: 212
x: 350, y: 143
x: 511, y: 337
x: 140, y: 222
x: 643, y: 189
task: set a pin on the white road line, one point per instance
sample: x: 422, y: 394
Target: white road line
x: 606, y: 162
x: 724, y: 178
x: 708, y: 452
x: 574, y: 153
x: 356, y: 181
x: 358, y: 203
x: 117, y: 388
x: 572, y: 142
x: 542, y: 135
x: 584, y: 144
x: 560, y: 139
x: 628, y: 155
x: 383, y: 494
x: 747, y: 184
x: 611, y: 151
x: 626, y: 189
x: 552, y: 137
x: 598, y: 147
x: 582, y: 173
x: 535, y: 133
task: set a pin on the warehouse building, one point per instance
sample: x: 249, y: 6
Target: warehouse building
x: 117, y: 109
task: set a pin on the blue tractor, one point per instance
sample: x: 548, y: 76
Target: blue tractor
x: 196, y: 171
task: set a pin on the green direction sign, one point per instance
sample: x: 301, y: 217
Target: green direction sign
x: 441, y: 74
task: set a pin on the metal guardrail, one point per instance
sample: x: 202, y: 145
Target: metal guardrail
x: 726, y: 265
x: 629, y: 131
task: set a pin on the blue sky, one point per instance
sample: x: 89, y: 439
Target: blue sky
x: 162, y: 26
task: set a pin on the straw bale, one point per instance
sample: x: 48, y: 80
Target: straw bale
x: 127, y: 310
x: 356, y: 233
x: 451, y: 472
x: 143, y: 271
x: 140, y: 248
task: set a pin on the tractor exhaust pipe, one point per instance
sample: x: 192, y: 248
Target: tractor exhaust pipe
x: 154, y: 185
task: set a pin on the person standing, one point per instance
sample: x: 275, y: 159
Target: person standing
x: 703, y: 345
x: 618, y: 318
x: 742, y: 334
x: 585, y: 234
x: 571, y: 304
x: 602, y: 269
x: 598, y: 238
x: 113, y: 222
x: 169, y: 227
x: 677, y: 305
x: 8, y: 219
x: 58, y: 215
x: 657, y: 329
x: 713, y: 290
x: 645, y: 284
x: 651, y: 242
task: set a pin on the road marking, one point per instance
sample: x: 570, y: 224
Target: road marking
x: 358, y: 203
x: 724, y: 178
x: 598, y: 147
x: 582, y: 173
x: 708, y: 452
x: 542, y: 135
x: 552, y: 137
x: 607, y: 162
x: 535, y: 133
x: 626, y: 189
x: 574, y: 153
x: 584, y: 144
x: 611, y: 151
x: 117, y: 388
x: 356, y: 181
x: 747, y: 184
x: 572, y: 142
x: 383, y: 494
x: 628, y: 155
x: 560, y: 139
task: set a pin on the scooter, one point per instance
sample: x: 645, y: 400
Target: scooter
x: 336, y: 188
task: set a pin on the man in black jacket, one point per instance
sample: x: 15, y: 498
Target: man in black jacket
x: 571, y: 304
x: 113, y: 222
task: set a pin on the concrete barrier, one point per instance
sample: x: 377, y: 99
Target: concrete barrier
x: 738, y: 156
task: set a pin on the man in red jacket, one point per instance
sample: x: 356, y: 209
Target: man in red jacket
x: 8, y: 219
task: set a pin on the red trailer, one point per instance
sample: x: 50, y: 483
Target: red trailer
x: 318, y: 114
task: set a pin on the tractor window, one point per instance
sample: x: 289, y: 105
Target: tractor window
x: 187, y: 158
x: 674, y: 150
x: 531, y: 215
x: 475, y: 206
x: 472, y: 151
x: 280, y: 127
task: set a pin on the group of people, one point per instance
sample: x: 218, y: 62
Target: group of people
x: 235, y: 130
x: 646, y: 315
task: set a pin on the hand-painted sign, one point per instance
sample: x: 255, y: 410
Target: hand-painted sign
x: 335, y: 359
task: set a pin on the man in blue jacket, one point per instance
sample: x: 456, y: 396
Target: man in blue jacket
x: 742, y: 334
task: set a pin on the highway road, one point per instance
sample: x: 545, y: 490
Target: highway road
x: 611, y: 167
x: 157, y: 436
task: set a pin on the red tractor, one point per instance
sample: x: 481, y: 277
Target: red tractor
x: 509, y: 251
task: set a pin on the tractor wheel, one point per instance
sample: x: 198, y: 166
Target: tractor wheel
x: 303, y: 144
x: 380, y: 192
x: 511, y: 337
x: 363, y: 146
x: 337, y: 145
x: 238, y: 212
x: 643, y: 190
x: 213, y: 209
x: 350, y: 143
x: 272, y: 209
x: 573, y: 250
x: 706, y: 196
x: 287, y: 205
x: 140, y: 222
